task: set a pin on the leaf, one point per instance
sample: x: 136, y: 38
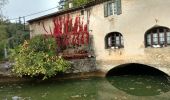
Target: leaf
x: 35, y: 60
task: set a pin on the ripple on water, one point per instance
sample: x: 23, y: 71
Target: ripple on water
x: 141, y: 85
x: 113, y: 88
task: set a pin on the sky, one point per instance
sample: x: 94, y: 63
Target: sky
x: 19, y: 8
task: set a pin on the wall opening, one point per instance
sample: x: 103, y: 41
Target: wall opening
x: 114, y: 40
x: 158, y: 36
x: 134, y: 69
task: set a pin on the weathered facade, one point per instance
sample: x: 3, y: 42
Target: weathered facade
x: 123, y: 31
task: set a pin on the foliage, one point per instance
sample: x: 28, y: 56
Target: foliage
x: 3, y: 37
x: 3, y: 33
x: 77, y: 3
x: 18, y: 39
x: 11, y: 35
x: 2, y: 4
x: 18, y: 34
x: 37, y: 58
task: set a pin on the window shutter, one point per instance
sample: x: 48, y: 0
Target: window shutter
x: 105, y: 10
x: 118, y: 7
x: 110, y: 8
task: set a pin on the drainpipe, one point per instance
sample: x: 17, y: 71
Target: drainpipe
x: 89, y: 44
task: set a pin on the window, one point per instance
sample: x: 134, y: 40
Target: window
x: 157, y: 37
x: 114, y: 39
x: 112, y: 6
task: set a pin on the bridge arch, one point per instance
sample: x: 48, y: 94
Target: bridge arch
x: 134, y: 69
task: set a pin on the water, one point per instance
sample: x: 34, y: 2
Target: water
x: 112, y: 88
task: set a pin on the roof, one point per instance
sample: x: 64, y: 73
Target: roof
x: 92, y: 3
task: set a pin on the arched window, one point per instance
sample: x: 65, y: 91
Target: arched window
x: 157, y: 37
x: 114, y: 39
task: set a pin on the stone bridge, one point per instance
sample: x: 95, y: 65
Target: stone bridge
x: 155, y: 58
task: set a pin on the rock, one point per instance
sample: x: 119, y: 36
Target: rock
x: 76, y: 96
x: 16, y: 98
x: 5, y: 66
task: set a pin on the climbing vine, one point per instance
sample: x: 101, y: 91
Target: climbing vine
x: 69, y: 33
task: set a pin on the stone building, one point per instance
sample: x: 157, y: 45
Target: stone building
x: 120, y: 31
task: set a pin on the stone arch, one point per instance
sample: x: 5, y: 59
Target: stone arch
x: 114, y: 39
x: 156, y: 30
x: 134, y: 69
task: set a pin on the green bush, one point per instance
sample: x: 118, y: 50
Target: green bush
x: 37, y: 57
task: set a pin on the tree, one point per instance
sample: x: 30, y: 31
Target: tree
x: 3, y: 37
x: 3, y: 27
x: 3, y: 34
x: 2, y: 4
x: 76, y: 3
x: 11, y: 35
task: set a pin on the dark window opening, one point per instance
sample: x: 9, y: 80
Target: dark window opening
x: 114, y: 40
x: 157, y: 37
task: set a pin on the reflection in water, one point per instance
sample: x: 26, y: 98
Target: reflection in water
x: 113, y: 88
x: 141, y: 85
x: 50, y: 90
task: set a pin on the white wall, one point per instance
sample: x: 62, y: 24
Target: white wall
x: 137, y: 17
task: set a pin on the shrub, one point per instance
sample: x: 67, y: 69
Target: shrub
x: 37, y: 57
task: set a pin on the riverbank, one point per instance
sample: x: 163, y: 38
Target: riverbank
x: 9, y: 78
x: 81, y: 68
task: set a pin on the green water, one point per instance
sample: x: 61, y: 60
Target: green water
x: 112, y: 88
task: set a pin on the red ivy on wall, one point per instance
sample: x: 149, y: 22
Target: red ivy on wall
x: 68, y: 33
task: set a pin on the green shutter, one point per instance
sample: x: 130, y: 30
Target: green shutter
x: 118, y: 7
x: 105, y: 10
x: 110, y: 8
x: 115, y: 7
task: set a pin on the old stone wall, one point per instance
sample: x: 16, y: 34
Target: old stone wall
x: 137, y: 17
x: 82, y: 65
x: 158, y: 58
